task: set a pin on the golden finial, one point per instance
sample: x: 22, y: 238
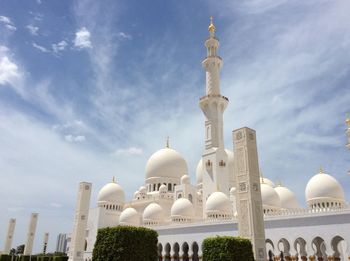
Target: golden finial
x: 167, y: 142
x: 279, y: 183
x: 321, y: 171
x: 347, y: 120
x: 113, y: 179
x: 211, y: 27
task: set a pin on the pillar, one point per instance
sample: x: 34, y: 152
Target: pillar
x: 248, y: 192
x: 46, y: 240
x: 9, y: 236
x: 76, y: 252
x: 28, y: 248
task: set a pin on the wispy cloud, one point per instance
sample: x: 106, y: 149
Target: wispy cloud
x: 9, y: 70
x: 128, y: 152
x: 6, y: 21
x: 82, y: 39
x: 59, y: 47
x: 40, y: 48
x: 123, y: 35
x: 33, y: 30
x: 72, y: 138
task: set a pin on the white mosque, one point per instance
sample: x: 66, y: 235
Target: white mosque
x: 184, y: 214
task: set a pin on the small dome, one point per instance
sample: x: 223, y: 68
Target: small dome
x: 323, y: 188
x: 142, y: 190
x: 153, y: 214
x: 185, y: 179
x: 199, y: 172
x: 269, y: 196
x: 163, y: 189
x: 287, y: 197
x: 218, y: 203
x: 112, y: 193
x: 136, y: 194
x: 267, y: 181
x: 233, y: 191
x: 182, y: 208
x: 130, y: 217
x: 166, y: 163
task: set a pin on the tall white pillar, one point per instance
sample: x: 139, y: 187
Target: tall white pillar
x: 46, y: 240
x: 31, y: 234
x: 248, y: 192
x: 77, y: 246
x: 9, y: 236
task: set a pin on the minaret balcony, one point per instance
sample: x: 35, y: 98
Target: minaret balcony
x: 213, y: 96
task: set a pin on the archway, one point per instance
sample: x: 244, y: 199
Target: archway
x: 300, y: 247
x: 339, y: 247
x: 176, y: 256
x: 269, y: 246
x: 319, y: 248
x: 167, y: 256
x: 160, y: 252
x: 195, y: 249
x: 185, y: 248
x: 284, y: 246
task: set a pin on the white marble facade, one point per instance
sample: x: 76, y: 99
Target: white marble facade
x: 184, y: 214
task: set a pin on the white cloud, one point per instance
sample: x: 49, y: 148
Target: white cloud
x: 9, y: 71
x: 128, y: 151
x: 60, y: 46
x: 55, y: 205
x: 77, y: 138
x: 125, y: 36
x: 33, y: 30
x: 6, y: 21
x: 82, y: 39
x: 40, y: 48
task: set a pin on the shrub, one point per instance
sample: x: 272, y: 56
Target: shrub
x: 227, y: 248
x: 60, y: 258
x: 125, y: 243
x: 24, y: 258
x: 5, y: 257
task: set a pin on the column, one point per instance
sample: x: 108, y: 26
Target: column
x: 9, y: 236
x: 31, y: 234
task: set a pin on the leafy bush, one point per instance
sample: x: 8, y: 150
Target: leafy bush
x: 227, y: 249
x: 4, y: 257
x: 125, y: 243
x: 60, y: 258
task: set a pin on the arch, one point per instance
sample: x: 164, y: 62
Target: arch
x: 190, y: 198
x: 195, y: 249
x: 336, y: 244
x: 167, y: 256
x: 85, y: 245
x: 284, y: 246
x: 160, y: 252
x: 176, y: 256
x: 269, y: 246
x: 319, y: 247
x: 185, y: 248
x: 169, y: 187
x: 300, y: 246
x: 158, y: 186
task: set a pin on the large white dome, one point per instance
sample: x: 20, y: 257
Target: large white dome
x: 182, y: 208
x: 266, y: 181
x: 218, y: 203
x: 111, y: 193
x: 166, y: 163
x: 153, y: 214
x: 129, y: 216
x: 199, y: 172
x: 269, y: 196
x: 323, y: 188
x: 287, y: 197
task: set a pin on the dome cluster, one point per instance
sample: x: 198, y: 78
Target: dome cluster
x: 169, y: 197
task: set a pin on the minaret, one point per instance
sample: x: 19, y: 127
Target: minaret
x: 46, y: 240
x: 347, y: 121
x: 76, y: 252
x: 213, y: 105
x: 31, y: 234
x: 9, y: 237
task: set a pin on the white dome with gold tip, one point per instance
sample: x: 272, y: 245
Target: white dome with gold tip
x: 166, y: 163
x: 182, y: 208
x: 111, y: 193
x: 270, y: 198
x: 218, y: 203
x: 130, y: 217
x: 322, y: 189
x: 153, y: 214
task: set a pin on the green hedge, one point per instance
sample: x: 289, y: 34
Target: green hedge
x: 125, y: 243
x: 24, y: 258
x: 4, y: 257
x: 60, y: 258
x: 227, y: 249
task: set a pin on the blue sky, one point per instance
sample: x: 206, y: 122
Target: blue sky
x: 90, y: 89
